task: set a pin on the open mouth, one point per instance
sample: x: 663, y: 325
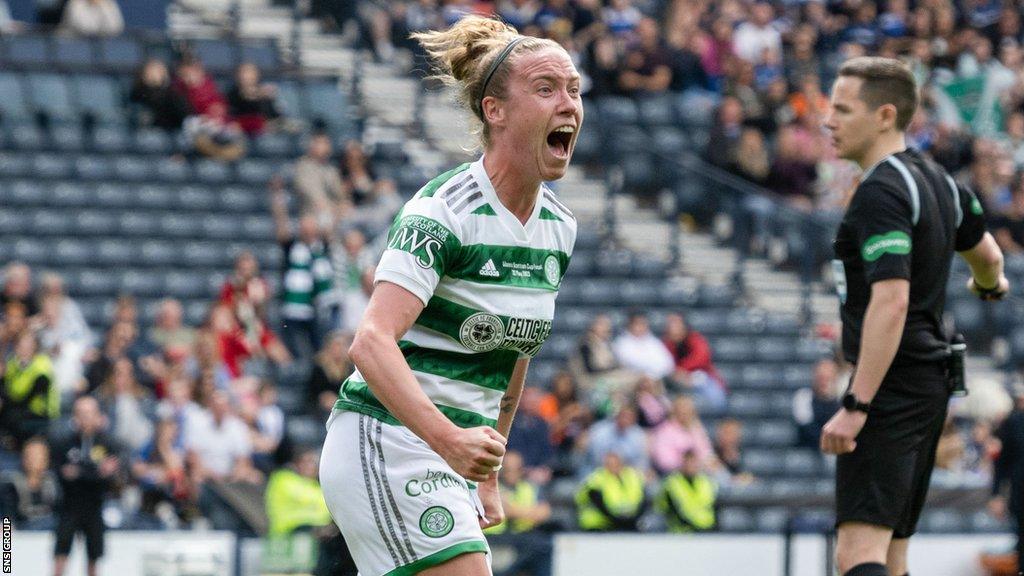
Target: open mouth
x: 559, y: 140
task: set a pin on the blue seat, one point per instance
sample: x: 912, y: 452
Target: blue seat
x: 67, y: 136
x: 70, y: 52
x: 256, y: 172
x: 95, y: 222
x: 51, y: 95
x: 159, y: 253
x: 639, y: 174
x: 262, y: 54
x: 762, y: 462
x: 802, y: 462
x: 154, y: 197
x: 218, y: 56
x: 212, y: 172
x: 111, y: 138
x: 670, y: 140
x: 142, y: 283
x: 136, y: 224
x: 812, y: 350
x: 25, y: 192
x: 289, y: 99
x: 101, y: 97
x: 45, y: 165
x: 97, y: 283
x: 598, y: 292
x: 179, y: 226
x: 121, y: 54
x: 116, y: 253
x: 640, y: 293
x: 771, y: 433
x: 258, y: 227
x: 275, y: 145
x: 196, y: 197
x: 733, y: 349
x: 735, y: 519
x: 657, y: 110
x: 51, y: 222
x: 112, y: 195
x: 204, y: 254
x: 184, y: 285
x: 94, y: 168
x: 616, y: 111
x: 236, y: 200
x: 326, y: 103
x: 69, y: 252
x: 774, y: 349
x: 588, y: 144
x: 133, y: 168
x: 23, y: 51
x: 13, y: 104
x: 679, y: 294
x: 26, y: 135
x: 615, y: 263
x: 13, y: 221
x: 757, y: 375
x: 153, y: 141
x: 172, y: 170
x: 747, y: 404
x: 224, y: 225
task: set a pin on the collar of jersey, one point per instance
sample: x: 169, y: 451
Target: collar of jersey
x: 864, y: 176
x: 521, y: 232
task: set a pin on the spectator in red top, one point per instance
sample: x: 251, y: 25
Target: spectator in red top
x: 232, y: 344
x: 695, y: 372
x: 197, y: 86
x: 246, y: 293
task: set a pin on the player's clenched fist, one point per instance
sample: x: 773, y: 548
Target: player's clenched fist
x: 473, y: 452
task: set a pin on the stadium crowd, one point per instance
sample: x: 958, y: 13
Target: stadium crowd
x: 193, y: 410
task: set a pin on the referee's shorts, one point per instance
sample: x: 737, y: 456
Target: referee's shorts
x: 88, y: 520
x: 884, y: 481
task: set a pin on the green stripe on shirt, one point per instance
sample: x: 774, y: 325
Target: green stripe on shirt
x: 486, y: 369
x: 355, y: 396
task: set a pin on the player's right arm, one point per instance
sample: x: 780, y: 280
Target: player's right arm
x: 421, y: 243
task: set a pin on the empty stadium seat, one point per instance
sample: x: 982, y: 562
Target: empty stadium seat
x: 100, y: 97
x: 261, y: 53
x: 110, y: 195
x: 25, y: 134
x: 26, y: 51
x: 122, y: 54
x: 153, y: 141
x: 51, y: 95
x: 46, y: 165
x: 173, y: 170
x: 217, y: 55
x: 133, y: 168
x: 67, y: 136
x: 73, y: 53
x: 155, y: 197
x: 196, y: 197
x: 212, y: 172
x: 71, y: 195
x: 136, y: 223
x: 324, y: 102
x: 50, y: 222
x: 95, y: 222
x: 115, y: 253
x: 14, y: 164
x: 276, y: 145
x: 256, y: 172
x: 735, y: 519
x: 616, y: 111
x: 94, y: 168
x: 13, y: 104
x: 13, y: 221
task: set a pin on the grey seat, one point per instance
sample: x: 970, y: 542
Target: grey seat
x: 13, y: 221
x: 51, y: 222
x: 101, y: 98
x: 94, y: 167
x: 26, y: 135
x: 95, y: 222
x: 31, y: 251
x: 97, y: 283
x: 276, y: 145
x: 238, y: 200
x: 172, y: 170
x: 133, y: 168
x: 735, y: 519
x: 46, y: 165
x: 155, y: 197
x: 69, y: 252
x: 212, y: 172
x: 13, y: 104
x: 179, y: 226
x: 142, y: 283
x: 112, y: 195
x: 153, y: 141
x: 116, y: 253
x: 25, y: 193
x: 197, y: 197
x: 110, y: 138
x: 51, y: 95
x: 183, y: 285
x: 774, y: 349
x: 159, y: 253
x: 73, y: 53
x: 220, y: 226
x: 732, y: 349
x: 14, y: 164
x: 137, y: 224
x: 256, y: 172
x: 67, y: 136
x: 258, y: 227
x: 204, y: 254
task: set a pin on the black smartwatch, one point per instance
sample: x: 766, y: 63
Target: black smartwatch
x: 851, y: 404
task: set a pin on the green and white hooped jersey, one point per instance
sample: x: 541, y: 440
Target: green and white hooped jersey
x: 489, y: 285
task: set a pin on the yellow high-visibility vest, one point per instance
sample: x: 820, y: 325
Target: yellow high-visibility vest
x: 694, y: 500
x: 522, y: 494
x: 294, y: 500
x: 622, y: 494
x: 18, y: 383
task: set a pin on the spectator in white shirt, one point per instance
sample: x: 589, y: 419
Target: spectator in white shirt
x: 639, y: 350
x: 218, y: 444
x: 93, y: 18
x: 757, y: 34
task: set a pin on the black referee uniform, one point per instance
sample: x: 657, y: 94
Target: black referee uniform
x: 905, y: 221
x: 81, y: 509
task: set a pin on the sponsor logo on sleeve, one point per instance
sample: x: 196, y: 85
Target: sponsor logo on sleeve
x: 894, y: 242
x: 421, y: 237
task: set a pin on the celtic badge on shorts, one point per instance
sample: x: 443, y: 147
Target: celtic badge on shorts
x: 436, y: 521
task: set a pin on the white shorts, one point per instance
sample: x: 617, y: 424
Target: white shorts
x: 401, y: 508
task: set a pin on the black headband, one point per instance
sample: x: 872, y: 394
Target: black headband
x: 494, y: 68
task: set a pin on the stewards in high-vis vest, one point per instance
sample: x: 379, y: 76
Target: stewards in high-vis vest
x: 523, y: 510
x: 294, y: 499
x: 612, y: 498
x: 688, y: 496
x: 29, y: 399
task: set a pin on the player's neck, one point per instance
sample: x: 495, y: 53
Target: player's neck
x: 884, y: 146
x: 516, y: 192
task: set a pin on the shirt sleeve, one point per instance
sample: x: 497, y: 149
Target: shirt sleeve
x: 422, y: 244
x: 972, y: 226
x: 881, y: 220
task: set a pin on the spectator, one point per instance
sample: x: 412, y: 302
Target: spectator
x: 247, y: 294
x: 64, y: 335
x: 159, y: 468
x: 596, y: 365
x: 18, y: 288
x: 13, y: 323
x: 375, y: 200
x: 317, y: 182
x: 525, y: 513
x: 29, y: 399
x: 354, y: 265
x: 688, y: 497
x: 681, y: 433
x: 621, y: 435
x: 809, y: 102
x: 793, y: 172
x: 197, y: 86
x: 169, y: 331
x: 758, y: 34
x: 232, y: 345
x: 179, y: 405
x: 603, y: 71
x: 118, y: 344
x: 531, y: 437
x: 639, y: 350
x: 265, y: 420
x: 128, y: 406
x: 725, y: 134
x: 612, y: 498
x: 568, y: 417
x: 307, y: 276
x: 92, y: 18
x: 750, y: 157
x: 218, y: 444
x: 214, y: 134
x: 1008, y: 227
x: 294, y: 500
x: 31, y: 494
x: 651, y: 401
x: 728, y: 452
x: 251, y: 103
x: 646, y: 66
x: 157, y: 102
x: 330, y: 368
x: 621, y: 17
x: 695, y: 372
x: 88, y: 462
x: 814, y: 406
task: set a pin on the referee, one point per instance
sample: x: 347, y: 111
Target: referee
x: 894, y: 249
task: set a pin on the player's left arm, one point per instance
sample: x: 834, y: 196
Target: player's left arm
x: 488, y: 491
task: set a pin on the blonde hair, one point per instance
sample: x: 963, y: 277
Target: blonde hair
x: 463, y: 54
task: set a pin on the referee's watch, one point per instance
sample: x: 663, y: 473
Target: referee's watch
x: 851, y: 404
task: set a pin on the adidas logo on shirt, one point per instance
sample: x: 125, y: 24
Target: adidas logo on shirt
x: 489, y: 269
